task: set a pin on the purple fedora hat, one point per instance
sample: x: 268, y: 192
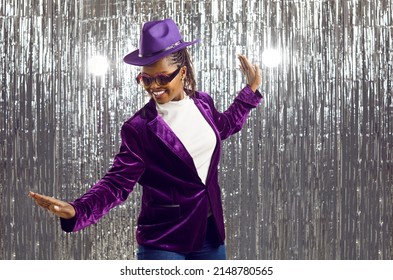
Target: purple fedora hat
x: 158, y: 39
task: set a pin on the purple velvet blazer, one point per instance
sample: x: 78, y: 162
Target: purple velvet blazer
x: 175, y: 202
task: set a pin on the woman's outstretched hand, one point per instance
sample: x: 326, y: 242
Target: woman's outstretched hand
x: 57, y: 207
x: 251, y: 71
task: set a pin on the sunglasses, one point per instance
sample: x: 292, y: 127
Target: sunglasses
x: 160, y: 79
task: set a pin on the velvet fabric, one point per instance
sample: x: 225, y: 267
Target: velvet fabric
x: 175, y: 202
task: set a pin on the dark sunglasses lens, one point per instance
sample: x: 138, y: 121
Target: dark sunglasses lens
x: 146, y: 81
x: 162, y: 79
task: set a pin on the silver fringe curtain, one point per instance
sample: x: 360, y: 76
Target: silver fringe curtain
x: 310, y: 175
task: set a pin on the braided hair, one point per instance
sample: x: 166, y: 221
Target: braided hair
x: 182, y: 58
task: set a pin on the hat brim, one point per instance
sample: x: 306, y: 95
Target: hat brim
x: 133, y: 58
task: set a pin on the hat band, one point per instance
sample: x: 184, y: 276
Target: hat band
x: 164, y: 50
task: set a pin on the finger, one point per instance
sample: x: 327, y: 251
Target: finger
x: 245, y: 63
x: 240, y: 60
x: 44, y: 201
x: 43, y: 198
x: 43, y: 204
x: 31, y: 194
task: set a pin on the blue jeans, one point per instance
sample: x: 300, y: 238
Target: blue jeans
x: 211, y: 249
x: 208, y: 252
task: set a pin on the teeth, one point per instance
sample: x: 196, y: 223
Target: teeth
x: 158, y: 93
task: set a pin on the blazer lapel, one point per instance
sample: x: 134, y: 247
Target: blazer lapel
x: 160, y: 128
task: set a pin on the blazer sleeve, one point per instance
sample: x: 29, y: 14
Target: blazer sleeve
x: 232, y: 120
x: 113, y: 188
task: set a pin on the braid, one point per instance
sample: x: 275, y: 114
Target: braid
x: 182, y: 58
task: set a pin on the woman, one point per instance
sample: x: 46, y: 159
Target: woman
x: 171, y: 147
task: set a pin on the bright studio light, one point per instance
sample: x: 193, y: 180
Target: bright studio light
x: 271, y: 58
x: 98, y: 65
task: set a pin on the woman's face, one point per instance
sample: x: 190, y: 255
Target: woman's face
x: 172, y: 91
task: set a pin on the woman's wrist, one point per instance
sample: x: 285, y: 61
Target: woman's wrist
x: 254, y: 88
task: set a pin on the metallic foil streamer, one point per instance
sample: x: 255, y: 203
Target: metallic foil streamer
x: 310, y: 175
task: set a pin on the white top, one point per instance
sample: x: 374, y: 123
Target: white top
x: 189, y: 125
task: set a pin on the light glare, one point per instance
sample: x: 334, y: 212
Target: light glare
x: 271, y: 58
x: 98, y: 65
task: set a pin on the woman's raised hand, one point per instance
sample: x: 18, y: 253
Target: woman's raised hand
x: 251, y: 71
x: 59, y: 208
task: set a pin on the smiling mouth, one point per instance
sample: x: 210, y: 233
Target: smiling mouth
x: 157, y: 93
